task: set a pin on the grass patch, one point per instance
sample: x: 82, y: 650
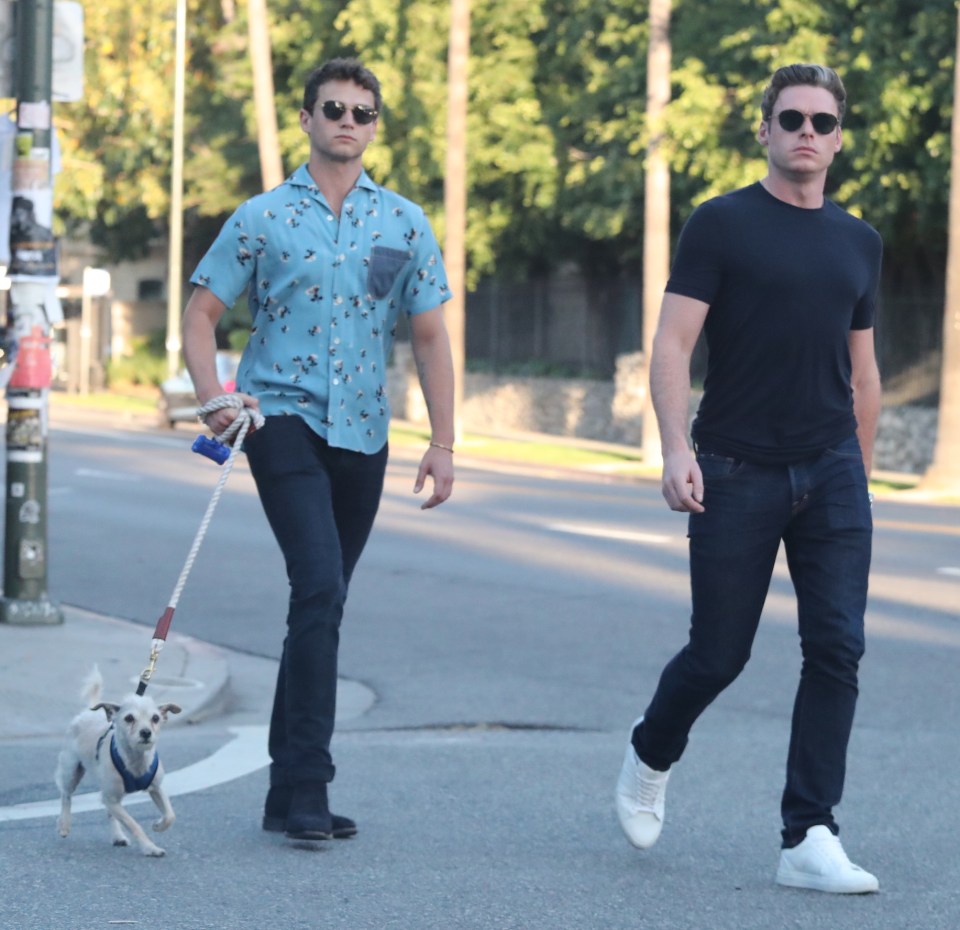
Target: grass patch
x: 108, y: 400
x: 528, y: 451
x: 891, y: 485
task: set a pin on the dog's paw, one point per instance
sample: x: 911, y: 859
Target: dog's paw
x: 154, y: 851
x: 120, y: 841
x: 63, y: 829
x: 164, y: 823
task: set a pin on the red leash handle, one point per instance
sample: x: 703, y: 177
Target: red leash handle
x: 163, y: 624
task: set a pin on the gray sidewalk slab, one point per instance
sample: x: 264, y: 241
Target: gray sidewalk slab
x: 43, y: 667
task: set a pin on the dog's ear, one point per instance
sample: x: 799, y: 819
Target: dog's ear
x: 108, y: 709
x: 169, y: 709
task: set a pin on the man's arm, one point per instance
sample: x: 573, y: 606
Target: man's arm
x: 198, y: 328
x: 865, y: 382
x: 681, y: 320
x: 431, y: 352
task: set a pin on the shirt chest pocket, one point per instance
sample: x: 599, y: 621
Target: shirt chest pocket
x: 385, y: 265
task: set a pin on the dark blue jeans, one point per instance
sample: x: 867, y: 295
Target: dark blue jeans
x: 320, y: 502
x: 820, y: 510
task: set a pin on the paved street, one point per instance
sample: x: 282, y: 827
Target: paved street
x: 505, y: 642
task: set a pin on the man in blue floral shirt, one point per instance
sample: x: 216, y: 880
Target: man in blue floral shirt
x: 328, y: 260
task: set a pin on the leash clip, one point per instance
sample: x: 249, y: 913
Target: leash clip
x: 155, y: 646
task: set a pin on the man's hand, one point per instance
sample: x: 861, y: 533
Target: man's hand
x: 219, y: 420
x: 682, y: 482
x: 438, y: 463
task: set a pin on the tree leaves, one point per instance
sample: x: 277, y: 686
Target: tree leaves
x: 556, y: 124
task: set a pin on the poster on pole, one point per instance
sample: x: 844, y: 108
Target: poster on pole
x: 33, y: 249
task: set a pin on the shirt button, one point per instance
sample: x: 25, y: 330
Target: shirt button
x: 336, y: 340
x: 329, y: 216
x: 336, y: 380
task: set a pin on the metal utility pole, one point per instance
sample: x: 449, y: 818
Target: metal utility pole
x: 33, y: 306
x: 944, y: 471
x: 261, y: 61
x: 455, y: 195
x: 656, y: 213
x: 175, y: 256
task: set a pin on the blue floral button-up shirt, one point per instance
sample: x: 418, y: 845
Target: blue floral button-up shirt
x: 325, y: 294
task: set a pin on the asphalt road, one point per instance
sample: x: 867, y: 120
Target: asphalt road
x: 509, y: 638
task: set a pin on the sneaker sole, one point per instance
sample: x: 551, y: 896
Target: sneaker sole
x: 313, y: 835
x: 279, y: 825
x: 793, y: 879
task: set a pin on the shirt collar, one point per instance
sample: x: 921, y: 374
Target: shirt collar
x: 301, y: 178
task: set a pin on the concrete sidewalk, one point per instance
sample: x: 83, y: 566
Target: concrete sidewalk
x: 42, y: 669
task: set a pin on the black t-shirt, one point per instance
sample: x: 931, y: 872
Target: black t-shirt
x: 785, y: 286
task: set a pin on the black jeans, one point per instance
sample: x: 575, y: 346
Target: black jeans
x: 320, y: 502
x: 820, y: 510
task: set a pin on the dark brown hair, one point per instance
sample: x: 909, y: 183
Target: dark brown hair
x: 340, y: 69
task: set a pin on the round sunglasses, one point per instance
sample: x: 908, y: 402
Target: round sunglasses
x: 792, y: 120
x: 362, y: 114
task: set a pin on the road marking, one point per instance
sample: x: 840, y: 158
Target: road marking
x: 605, y: 532
x: 121, y: 434
x: 244, y: 754
x: 951, y: 570
x: 109, y: 475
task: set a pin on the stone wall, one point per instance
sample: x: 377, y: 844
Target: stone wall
x: 611, y: 411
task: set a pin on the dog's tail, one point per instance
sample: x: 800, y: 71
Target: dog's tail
x: 92, y: 687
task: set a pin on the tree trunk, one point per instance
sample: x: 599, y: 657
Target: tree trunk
x: 261, y: 60
x: 455, y: 193
x: 656, y: 207
x: 944, y: 472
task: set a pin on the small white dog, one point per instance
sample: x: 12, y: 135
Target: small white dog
x: 121, y: 749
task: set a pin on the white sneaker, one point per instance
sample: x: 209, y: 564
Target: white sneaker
x: 640, y: 796
x: 820, y: 863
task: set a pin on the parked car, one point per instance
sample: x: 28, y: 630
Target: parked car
x: 178, y: 399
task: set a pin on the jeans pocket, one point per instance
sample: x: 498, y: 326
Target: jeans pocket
x: 714, y: 466
x: 385, y: 265
x: 848, y: 449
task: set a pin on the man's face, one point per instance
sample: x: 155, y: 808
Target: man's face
x: 801, y: 152
x: 342, y: 139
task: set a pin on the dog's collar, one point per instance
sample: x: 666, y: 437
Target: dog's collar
x: 132, y: 782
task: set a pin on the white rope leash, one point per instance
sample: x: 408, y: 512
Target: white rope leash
x: 233, y: 434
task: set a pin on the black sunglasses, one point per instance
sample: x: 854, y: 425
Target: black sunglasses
x: 792, y: 120
x: 334, y: 110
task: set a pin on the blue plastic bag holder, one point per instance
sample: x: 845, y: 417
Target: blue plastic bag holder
x: 211, y: 448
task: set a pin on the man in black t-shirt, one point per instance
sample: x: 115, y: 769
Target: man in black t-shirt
x: 783, y: 283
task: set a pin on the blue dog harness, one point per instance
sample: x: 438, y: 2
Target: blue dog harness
x: 131, y: 782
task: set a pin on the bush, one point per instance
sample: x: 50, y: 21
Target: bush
x: 145, y: 366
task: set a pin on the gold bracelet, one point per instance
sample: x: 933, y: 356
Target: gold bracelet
x: 440, y: 445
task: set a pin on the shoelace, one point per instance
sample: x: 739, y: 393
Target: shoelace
x: 649, y: 793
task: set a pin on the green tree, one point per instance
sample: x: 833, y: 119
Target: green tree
x: 557, y: 122
x: 115, y: 137
x: 591, y: 78
x: 510, y: 168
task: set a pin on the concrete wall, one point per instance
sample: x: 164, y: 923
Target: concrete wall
x: 612, y: 411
